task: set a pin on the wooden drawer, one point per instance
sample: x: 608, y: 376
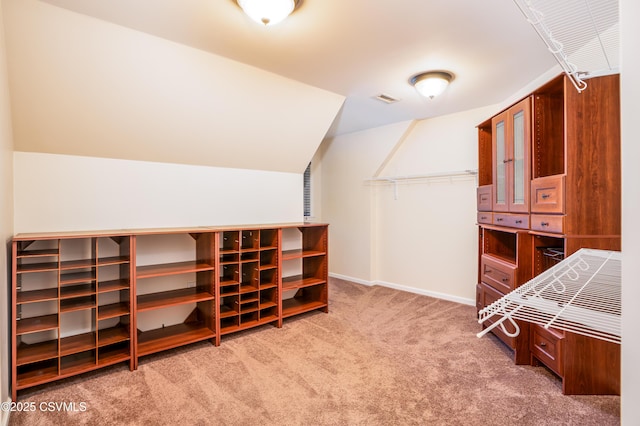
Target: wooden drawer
x: 547, y: 223
x: 547, y: 194
x: 487, y: 295
x: 511, y: 220
x: 546, y: 347
x: 499, y: 275
x: 484, y: 200
x: 485, y: 217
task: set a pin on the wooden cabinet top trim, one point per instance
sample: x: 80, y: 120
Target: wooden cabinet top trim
x: 153, y: 231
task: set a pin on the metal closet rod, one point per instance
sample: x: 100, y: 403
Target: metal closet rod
x: 424, y: 176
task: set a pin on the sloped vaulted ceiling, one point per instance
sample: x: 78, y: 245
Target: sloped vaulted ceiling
x: 82, y: 86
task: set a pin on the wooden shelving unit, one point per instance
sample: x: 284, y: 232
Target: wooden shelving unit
x: 57, y: 319
x: 83, y: 301
x: 309, y: 288
x: 192, y: 285
x: 248, y: 281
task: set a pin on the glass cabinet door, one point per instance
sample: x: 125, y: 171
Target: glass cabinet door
x: 520, y: 131
x: 511, y: 132
x: 500, y: 158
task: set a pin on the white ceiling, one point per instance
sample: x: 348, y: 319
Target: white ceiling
x: 358, y: 48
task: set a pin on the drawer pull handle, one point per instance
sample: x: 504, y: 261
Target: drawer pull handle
x: 519, y: 221
x: 544, y: 223
x: 483, y: 217
x: 504, y: 280
x: 488, y: 271
x: 543, y: 344
x: 545, y: 196
x: 499, y: 219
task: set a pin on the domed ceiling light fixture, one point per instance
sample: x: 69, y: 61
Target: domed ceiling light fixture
x: 268, y: 12
x: 432, y: 83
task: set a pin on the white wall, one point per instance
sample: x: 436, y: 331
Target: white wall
x: 347, y: 162
x: 414, y: 236
x: 82, y: 86
x: 425, y: 235
x: 6, y: 218
x: 630, y: 90
x: 65, y: 193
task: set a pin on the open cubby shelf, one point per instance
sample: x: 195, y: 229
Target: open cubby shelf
x: 171, y: 298
x: 170, y: 337
x: 81, y: 300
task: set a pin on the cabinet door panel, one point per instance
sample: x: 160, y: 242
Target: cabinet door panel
x: 500, y: 163
x: 520, y: 137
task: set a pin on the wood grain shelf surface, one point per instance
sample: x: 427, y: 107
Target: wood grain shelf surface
x: 37, y: 253
x: 37, y: 267
x: 297, y: 281
x: 36, y: 324
x: 171, y: 337
x: 30, y: 353
x: 299, y: 253
x: 77, y: 304
x: 113, y: 355
x: 294, y: 306
x: 77, y: 363
x: 77, y: 291
x: 113, y: 285
x: 78, y: 343
x: 266, y: 305
x: 165, y: 299
x: 109, y: 336
x: 244, y: 325
x: 150, y: 271
x: 113, y: 310
x: 37, y: 295
x: 77, y: 264
x: 112, y: 260
x: 37, y: 376
x: 77, y: 277
x: 227, y: 312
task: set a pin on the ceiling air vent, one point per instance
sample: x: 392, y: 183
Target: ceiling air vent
x: 386, y: 98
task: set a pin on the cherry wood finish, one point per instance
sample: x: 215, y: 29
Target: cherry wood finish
x: 505, y: 264
x: 238, y: 285
x: 311, y: 285
x: 575, y: 199
x: 56, y: 277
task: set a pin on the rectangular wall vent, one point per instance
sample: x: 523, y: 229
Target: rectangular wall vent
x: 386, y: 98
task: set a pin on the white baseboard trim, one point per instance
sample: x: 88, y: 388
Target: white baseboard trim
x: 400, y: 287
x: 435, y: 294
x: 352, y: 279
x: 4, y: 415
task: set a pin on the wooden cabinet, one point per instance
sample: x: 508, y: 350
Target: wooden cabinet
x: 82, y: 301
x: 72, y: 307
x: 563, y: 148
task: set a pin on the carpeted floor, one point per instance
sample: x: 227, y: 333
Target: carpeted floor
x: 380, y: 357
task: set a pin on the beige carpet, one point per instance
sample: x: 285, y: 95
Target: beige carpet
x: 380, y: 357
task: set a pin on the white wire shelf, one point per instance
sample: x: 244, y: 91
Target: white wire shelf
x: 581, y: 294
x: 583, y: 35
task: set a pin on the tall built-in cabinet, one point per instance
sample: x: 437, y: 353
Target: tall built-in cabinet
x: 82, y: 301
x: 570, y: 146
